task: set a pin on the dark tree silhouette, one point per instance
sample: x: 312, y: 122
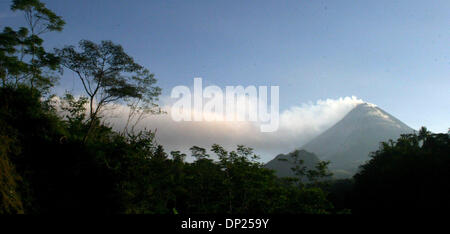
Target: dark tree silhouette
x: 407, y: 175
x: 23, y: 59
x: 109, y: 75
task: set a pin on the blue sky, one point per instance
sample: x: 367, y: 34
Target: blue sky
x: 395, y: 54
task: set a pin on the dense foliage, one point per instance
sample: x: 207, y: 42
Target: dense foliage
x: 407, y: 175
x: 117, y: 173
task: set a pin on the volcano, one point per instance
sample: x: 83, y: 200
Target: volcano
x: 348, y: 143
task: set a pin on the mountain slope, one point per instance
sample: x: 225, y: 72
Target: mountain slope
x: 283, y: 163
x: 348, y: 143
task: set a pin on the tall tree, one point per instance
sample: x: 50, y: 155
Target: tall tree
x: 109, y: 75
x: 23, y: 59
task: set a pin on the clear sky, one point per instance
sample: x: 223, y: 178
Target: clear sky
x: 395, y: 54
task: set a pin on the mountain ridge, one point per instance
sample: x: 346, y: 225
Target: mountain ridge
x: 283, y: 163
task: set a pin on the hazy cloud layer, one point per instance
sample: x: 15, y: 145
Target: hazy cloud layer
x: 298, y: 125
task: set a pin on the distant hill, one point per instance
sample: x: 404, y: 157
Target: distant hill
x: 283, y: 167
x: 348, y: 143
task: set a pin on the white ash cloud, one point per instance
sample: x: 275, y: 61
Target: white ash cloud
x: 298, y: 125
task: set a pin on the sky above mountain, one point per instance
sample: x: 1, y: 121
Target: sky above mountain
x: 391, y: 53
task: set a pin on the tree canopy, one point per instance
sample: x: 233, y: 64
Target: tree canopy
x: 407, y: 175
x: 23, y: 59
x: 109, y: 75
